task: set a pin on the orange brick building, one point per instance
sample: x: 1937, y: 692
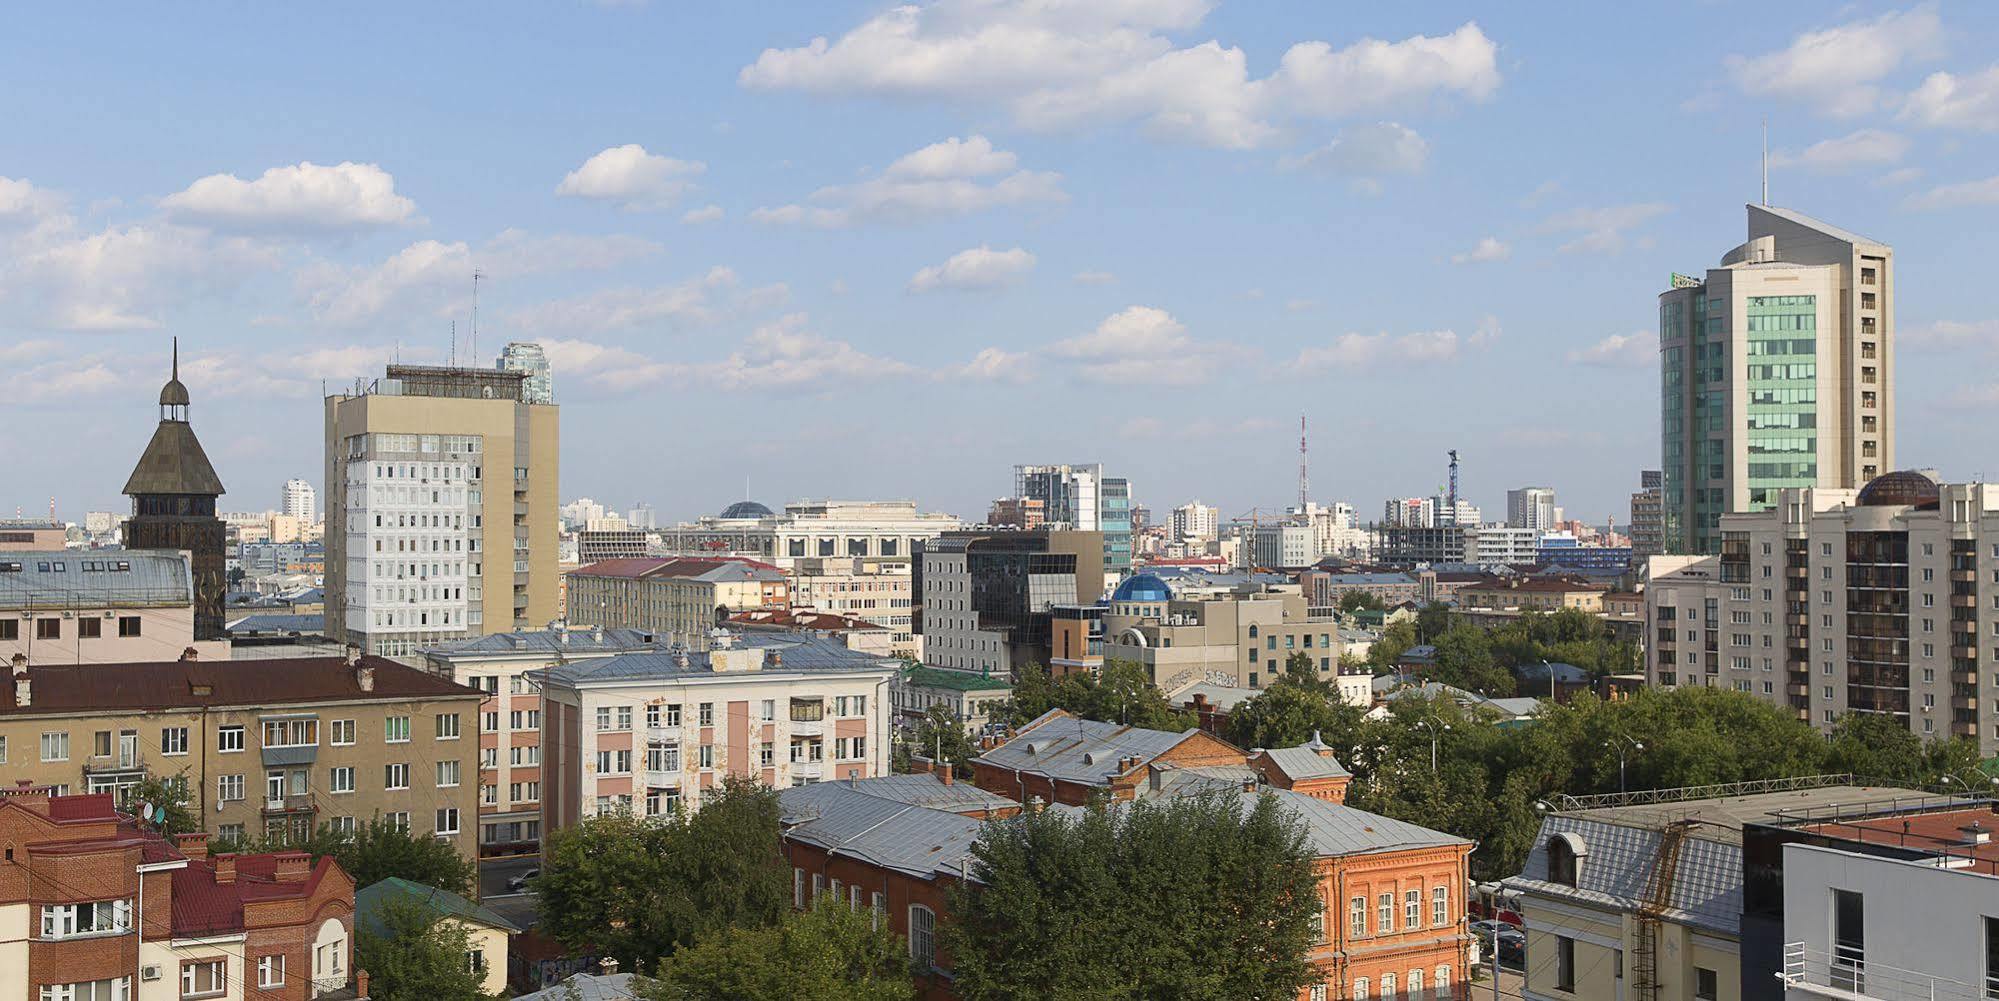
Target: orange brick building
x: 95, y: 899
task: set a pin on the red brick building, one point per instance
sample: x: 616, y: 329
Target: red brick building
x: 97, y: 899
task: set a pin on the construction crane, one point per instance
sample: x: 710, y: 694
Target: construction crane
x: 1244, y: 556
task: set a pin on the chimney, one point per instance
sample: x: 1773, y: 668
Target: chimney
x: 361, y: 983
x: 773, y: 659
x: 194, y: 846
x: 292, y: 867
x: 23, y: 695
x: 189, y: 655
x: 608, y: 965
x: 351, y: 656
x: 364, y: 676
x: 944, y: 772
x: 1036, y: 805
x: 225, y: 867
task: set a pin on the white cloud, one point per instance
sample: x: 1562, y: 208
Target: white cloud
x: 1367, y: 151
x: 1945, y: 335
x: 22, y: 204
x: 1142, y: 345
x: 1364, y: 350
x: 1300, y: 305
x: 953, y: 177
x: 704, y: 214
x: 1949, y: 101
x: 996, y: 365
x: 434, y: 279
x: 307, y: 196
x: 980, y: 267
x: 123, y: 277
x: 1094, y: 278
x: 1603, y: 230
x: 782, y: 354
x: 706, y: 299
x: 631, y: 177
x: 1632, y: 350
x: 1837, y: 69
x: 1056, y: 64
x: 1900, y: 175
x: 1541, y: 193
x: 1863, y: 148
x: 1943, y: 196
x: 1486, y: 250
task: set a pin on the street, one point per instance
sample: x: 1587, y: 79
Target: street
x: 494, y: 873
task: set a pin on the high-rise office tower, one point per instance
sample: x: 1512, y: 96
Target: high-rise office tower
x: 527, y: 358
x: 1777, y: 371
x: 440, y: 509
x: 300, y: 501
x: 1195, y: 521
x: 1531, y: 507
x: 1082, y: 498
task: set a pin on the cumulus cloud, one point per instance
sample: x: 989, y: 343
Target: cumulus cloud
x: 1486, y: 250
x: 1946, y: 335
x: 995, y: 365
x: 706, y: 299
x: 1142, y: 345
x: 1602, y: 230
x: 1947, y: 196
x: 632, y: 178
x: 1057, y: 64
x: 23, y: 205
x: 1632, y: 350
x: 304, y: 197
x: 1366, y: 350
x: 1366, y: 151
x: 1862, y: 148
x: 783, y: 354
x: 981, y: 267
x: 953, y: 177
x: 704, y: 214
x: 1948, y: 101
x: 432, y: 278
x: 1837, y: 70
x: 122, y: 277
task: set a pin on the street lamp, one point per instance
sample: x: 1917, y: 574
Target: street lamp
x: 1435, y: 731
x: 1620, y: 744
x: 1968, y: 787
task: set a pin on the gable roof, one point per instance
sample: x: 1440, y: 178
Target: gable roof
x: 1707, y: 886
x: 373, y: 900
x: 1305, y: 761
x: 714, y: 569
x: 801, y: 653
x: 588, y: 987
x: 1065, y: 746
x: 844, y: 820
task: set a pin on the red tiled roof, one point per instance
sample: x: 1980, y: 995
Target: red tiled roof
x: 83, y: 807
x: 191, y: 684
x: 202, y: 906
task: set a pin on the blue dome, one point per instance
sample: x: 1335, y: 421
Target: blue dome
x: 1142, y: 587
x: 746, y: 509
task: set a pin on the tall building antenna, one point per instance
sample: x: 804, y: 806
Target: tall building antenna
x: 474, y: 352
x: 1304, y: 480
x: 454, y: 344
x: 1454, y: 485
x: 1766, y: 162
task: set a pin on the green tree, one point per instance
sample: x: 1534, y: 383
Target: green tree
x: 417, y: 956
x: 1359, y: 601
x: 1287, y: 714
x: 829, y: 953
x: 1394, y: 642
x: 1432, y: 621
x: 1464, y: 660
x: 381, y: 849
x: 1876, y: 747
x: 639, y: 888
x: 168, y: 799
x: 941, y: 731
x: 1210, y: 896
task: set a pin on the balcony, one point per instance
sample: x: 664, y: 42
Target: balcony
x: 808, y: 727
x: 1964, y: 576
x: 661, y: 733
x: 660, y: 778
x: 282, y: 805
x: 1812, y: 973
x: 1964, y: 601
x: 808, y: 769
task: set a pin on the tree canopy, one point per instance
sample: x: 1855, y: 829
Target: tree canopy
x: 418, y: 956
x: 1212, y: 896
x: 938, y: 731
x: 639, y: 888
x: 371, y: 853
x: 829, y: 953
x: 1122, y: 692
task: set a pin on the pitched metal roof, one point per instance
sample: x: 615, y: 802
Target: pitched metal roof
x: 91, y: 578
x: 1801, y: 219
x: 802, y: 653
x: 1079, y: 750
x: 915, y: 840
x: 588, y: 987
x: 920, y: 789
x: 958, y: 681
x: 1707, y: 882
x: 373, y: 899
x: 173, y: 463
x: 1338, y: 829
x: 551, y: 642
x: 1305, y: 762
x: 262, y: 682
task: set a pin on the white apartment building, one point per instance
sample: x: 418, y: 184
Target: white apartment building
x: 1487, y: 545
x: 510, y: 716
x: 652, y: 732
x: 1196, y: 521
x: 880, y: 593
x: 300, y: 501
x: 1532, y: 507
x: 1882, y: 600
x: 527, y: 358
x: 886, y: 531
x: 1280, y: 545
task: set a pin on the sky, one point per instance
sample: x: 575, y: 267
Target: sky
x: 818, y: 249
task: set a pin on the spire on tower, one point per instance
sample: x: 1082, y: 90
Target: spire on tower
x: 1304, y: 480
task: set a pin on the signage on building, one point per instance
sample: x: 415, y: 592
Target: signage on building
x: 1685, y: 281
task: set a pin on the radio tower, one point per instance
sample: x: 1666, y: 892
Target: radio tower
x: 1454, y: 483
x: 1304, y: 479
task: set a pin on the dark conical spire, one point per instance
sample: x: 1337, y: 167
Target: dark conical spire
x: 173, y: 394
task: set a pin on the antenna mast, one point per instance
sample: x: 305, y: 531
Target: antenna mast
x: 476, y: 275
x: 454, y: 344
x: 1454, y: 486
x: 1304, y: 480
x: 1766, y: 163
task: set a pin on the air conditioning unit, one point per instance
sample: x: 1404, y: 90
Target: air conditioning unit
x: 150, y: 971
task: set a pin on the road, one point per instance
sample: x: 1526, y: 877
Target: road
x: 494, y: 873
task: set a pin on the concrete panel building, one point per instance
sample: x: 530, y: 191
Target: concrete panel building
x: 682, y: 598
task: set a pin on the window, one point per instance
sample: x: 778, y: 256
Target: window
x: 614, y: 762
x: 271, y: 971
x: 1360, y: 989
x: 291, y: 732
x: 343, y: 732
x: 1565, y: 963
x: 1384, y: 914
x: 797, y: 888
x: 1318, y: 992
x: 1388, y: 985
x: 48, y: 629
x: 707, y: 716
x: 922, y: 937
x: 340, y: 779
x: 103, y: 917
x: 119, y: 989
x: 1415, y: 982
x: 447, y: 725
x: 447, y: 773
x: 202, y: 977
x: 396, y: 776
x: 173, y: 740
x: 878, y: 908
x: 1412, y: 909
x: 769, y: 710
x: 228, y: 739
x: 447, y: 820
x: 1564, y: 860
x: 1357, y: 917
x: 1440, y: 905
x: 89, y: 628
x: 1705, y: 984
x: 706, y: 756
x: 1849, y: 941
x: 1442, y: 987
x: 400, y: 820
x: 55, y: 745
x: 229, y: 788
x: 396, y: 729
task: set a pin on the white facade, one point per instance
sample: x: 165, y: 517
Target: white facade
x: 1195, y: 521
x: 300, y: 501
x: 1490, y: 544
x: 1532, y: 507
x: 1930, y: 930
x: 878, y: 593
x: 1284, y: 546
x: 1069, y: 493
x: 414, y: 565
x: 884, y: 531
x: 952, y: 638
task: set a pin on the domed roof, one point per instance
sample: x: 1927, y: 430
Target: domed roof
x: 173, y: 394
x: 1901, y: 488
x: 1143, y: 587
x: 746, y: 509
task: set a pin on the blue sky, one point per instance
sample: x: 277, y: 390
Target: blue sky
x: 960, y: 235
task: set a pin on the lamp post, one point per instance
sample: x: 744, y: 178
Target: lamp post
x: 1969, y: 788
x: 1435, y: 727
x: 1621, y: 745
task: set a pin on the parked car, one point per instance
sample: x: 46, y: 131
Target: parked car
x: 519, y: 884
x: 1512, y: 941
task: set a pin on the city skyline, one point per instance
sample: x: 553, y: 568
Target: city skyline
x: 776, y: 229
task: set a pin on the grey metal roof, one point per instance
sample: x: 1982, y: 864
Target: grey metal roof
x: 802, y: 653
x: 1338, y: 829
x: 915, y: 840
x: 1707, y: 883
x: 1223, y: 697
x: 276, y: 623
x: 1371, y: 578
x: 87, y: 578
x: 1304, y: 762
x: 588, y: 987
x: 1794, y: 216
x: 551, y: 642
x: 920, y: 789
x: 1079, y: 750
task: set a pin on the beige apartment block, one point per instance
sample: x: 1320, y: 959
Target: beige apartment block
x: 440, y: 509
x: 683, y: 598
x: 263, y: 747
x: 653, y: 732
x: 1239, y: 640
x: 99, y: 606
x: 510, y: 717
x: 882, y: 593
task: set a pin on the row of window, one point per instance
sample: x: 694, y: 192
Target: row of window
x: 619, y: 718
x: 88, y: 627
x: 1384, y: 912
x: 1439, y: 986
x: 280, y: 783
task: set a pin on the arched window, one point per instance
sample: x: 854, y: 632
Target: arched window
x: 1415, y: 982
x: 922, y: 937
x: 1252, y: 632
x: 1565, y: 854
x: 1360, y: 989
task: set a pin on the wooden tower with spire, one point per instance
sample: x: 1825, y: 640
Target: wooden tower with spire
x: 173, y: 491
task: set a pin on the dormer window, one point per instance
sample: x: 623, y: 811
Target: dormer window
x: 1565, y: 858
